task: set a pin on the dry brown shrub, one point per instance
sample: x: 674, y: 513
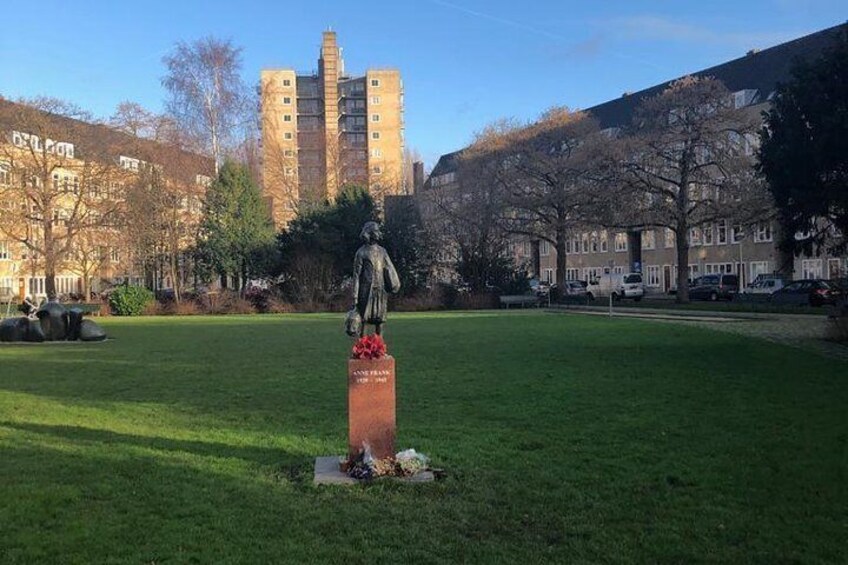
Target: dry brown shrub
x: 418, y: 303
x: 155, y: 308
x: 229, y: 302
x: 475, y: 301
x: 185, y: 308
x: 276, y: 305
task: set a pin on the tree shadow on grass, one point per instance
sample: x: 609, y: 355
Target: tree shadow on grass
x: 251, y: 453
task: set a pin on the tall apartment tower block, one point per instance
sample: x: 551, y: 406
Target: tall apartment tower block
x: 324, y: 131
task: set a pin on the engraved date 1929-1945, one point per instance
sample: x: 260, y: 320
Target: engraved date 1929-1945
x: 371, y: 376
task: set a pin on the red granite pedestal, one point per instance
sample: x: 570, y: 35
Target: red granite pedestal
x: 371, y: 406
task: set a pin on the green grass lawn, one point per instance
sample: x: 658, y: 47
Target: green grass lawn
x: 565, y: 439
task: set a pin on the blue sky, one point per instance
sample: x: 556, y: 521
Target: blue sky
x: 464, y: 63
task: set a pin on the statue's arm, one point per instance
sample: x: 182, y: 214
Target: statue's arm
x: 391, y: 275
x: 357, y: 271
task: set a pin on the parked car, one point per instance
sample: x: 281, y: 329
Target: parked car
x: 764, y: 284
x: 618, y: 286
x: 807, y: 292
x: 574, y: 288
x: 541, y: 289
x: 714, y: 287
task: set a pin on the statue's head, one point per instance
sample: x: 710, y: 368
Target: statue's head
x: 371, y: 232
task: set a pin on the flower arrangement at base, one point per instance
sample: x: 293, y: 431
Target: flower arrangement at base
x: 365, y: 467
x: 369, y: 347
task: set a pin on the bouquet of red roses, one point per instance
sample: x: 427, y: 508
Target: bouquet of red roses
x: 369, y: 347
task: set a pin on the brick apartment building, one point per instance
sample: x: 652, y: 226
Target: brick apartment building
x: 82, y: 170
x: 325, y: 130
x: 718, y: 247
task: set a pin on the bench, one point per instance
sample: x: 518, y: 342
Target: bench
x: 522, y: 300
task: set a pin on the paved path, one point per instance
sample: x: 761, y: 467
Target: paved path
x: 803, y: 332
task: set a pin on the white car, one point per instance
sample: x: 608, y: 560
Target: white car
x: 618, y: 286
x: 764, y: 284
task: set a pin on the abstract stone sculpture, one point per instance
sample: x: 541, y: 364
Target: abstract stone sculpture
x: 89, y: 331
x: 53, y: 318
x: 53, y: 323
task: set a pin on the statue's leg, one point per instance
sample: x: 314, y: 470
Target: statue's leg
x: 378, y: 328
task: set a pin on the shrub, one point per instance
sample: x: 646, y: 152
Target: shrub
x: 130, y: 300
x: 229, y: 302
x: 477, y: 301
x: 276, y: 305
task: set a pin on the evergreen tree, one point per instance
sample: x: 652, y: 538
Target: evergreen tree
x: 318, y: 247
x: 804, y: 152
x: 236, y: 232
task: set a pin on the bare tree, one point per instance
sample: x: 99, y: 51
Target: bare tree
x: 162, y: 221
x: 464, y: 212
x: 546, y: 169
x: 207, y: 96
x: 133, y: 119
x: 687, y: 160
x: 58, y: 187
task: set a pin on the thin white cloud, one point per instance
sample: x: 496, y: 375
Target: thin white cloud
x: 591, y: 46
x: 664, y: 29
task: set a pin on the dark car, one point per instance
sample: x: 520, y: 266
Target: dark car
x: 714, y: 287
x: 807, y: 292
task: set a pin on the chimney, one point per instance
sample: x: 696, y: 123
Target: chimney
x: 417, y: 176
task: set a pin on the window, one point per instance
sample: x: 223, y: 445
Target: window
x: 544, y: 248
x: 376, y: 152
x: 4, y: 251
x: 811, y: 268
x: 653, y: 273
x: 669, y: 238
x: 377, y: 170
x: 648, y: 239
x: 707, y: 234
x: 375, y: 100
x: 375, y: 135
x: 572, y: 274
x: 585, y: 243
x: 758, y: 268
x: 203, y: 180
x: 288, y: 153
x: 604, y: 242
x: 568, y: 247
x: 286, y: 82
x: 549, y: 275
x: 621, y: 242
x: 288, y: 135
x: 594, y: 242
x: 721, y: 232
x: 763, y: 232
x: 287, y: 118
x: 375, y: 83
x: 618, y: 270
x: 694, y: 236
x: 129, y: 163
x: 4, y: 176
x: 737, y: 233
x: 375, y: 117
x: 114, y: 255
x: 287, y: 100
x: 289, y: 171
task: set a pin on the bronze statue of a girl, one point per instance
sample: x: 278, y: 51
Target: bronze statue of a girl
x: 374, y: 277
